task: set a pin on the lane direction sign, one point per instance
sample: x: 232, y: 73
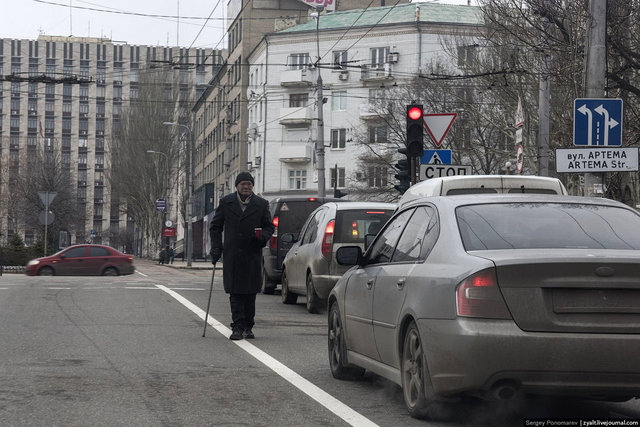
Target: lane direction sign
x: 597, y: 122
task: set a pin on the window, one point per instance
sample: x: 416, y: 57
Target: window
x: 311, y: 229
x: 67, y: 90
x: 340, y: 177
x: 297, y: 179
x: 384, y: 245
x: 298, y: 100
x: 340, y: 59
x: 377, y: 134
x: 466, y: 55
x: 377, y: 176
x: 418, y: 237
x: 299, y: 61
x: 379, y: 56
x: 338, y: 138
x: 339, y: 100
x: 66, y: 107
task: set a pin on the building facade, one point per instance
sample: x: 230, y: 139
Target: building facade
x: 361, y: 53
x: 68, y: 95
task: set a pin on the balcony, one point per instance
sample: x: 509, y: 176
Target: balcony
x: 296, y: 116
x: 295, y: 153
x: 296, y: 78
x: 371, y: 112
x: 376, y: 72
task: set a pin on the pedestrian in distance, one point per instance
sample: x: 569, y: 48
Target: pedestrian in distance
x: 162, y: 256
x: 245, y: 220
x: 169, y: 254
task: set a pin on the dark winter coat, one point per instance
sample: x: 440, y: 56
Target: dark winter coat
x: 242, y: 251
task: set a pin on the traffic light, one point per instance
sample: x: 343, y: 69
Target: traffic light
x: 403, y: 176
x: 415, y: 130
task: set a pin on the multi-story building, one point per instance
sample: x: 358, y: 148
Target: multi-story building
x: 70, y: 94
x: 361, y: 51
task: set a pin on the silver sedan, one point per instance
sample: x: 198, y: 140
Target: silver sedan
x: 496, y: 296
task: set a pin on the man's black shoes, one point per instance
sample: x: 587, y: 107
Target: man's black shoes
x: 236, y: 334
x: 248, y: 334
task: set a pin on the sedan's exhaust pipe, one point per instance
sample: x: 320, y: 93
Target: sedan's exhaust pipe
x: 504, y: 390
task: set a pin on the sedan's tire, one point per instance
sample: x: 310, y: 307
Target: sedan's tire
x: 417, y: 394
x: 110, y: 271
x: 268, y: 286
x: 337, y: 348
x: 314, y: 303
x: 46, y: 271
x: 287, y: 297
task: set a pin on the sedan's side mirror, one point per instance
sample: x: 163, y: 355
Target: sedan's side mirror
x: 287, y: 238
x: 349, y: 255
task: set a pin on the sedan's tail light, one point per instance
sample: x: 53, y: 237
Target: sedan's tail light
x: 273, y: 241
x: 327, y: 241
x: 479, y: 296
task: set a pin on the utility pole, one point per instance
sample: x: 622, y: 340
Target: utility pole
x: 544, y: 95
x: 596, y: 73
x: 319, y: 105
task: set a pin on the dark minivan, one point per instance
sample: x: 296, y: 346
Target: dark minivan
x: 289, y: 214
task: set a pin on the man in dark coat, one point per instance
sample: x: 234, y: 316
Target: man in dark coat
x: 240, y: 215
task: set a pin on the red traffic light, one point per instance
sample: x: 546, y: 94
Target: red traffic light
x: 414, y: 113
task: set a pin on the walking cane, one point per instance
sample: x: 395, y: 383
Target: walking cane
x: 206, y: 316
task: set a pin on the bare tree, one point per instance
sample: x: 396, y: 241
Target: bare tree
x: 137, y: 177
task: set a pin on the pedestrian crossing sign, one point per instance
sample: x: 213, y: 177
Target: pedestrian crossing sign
x: 436, y: 157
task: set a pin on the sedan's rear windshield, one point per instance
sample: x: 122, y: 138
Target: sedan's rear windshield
x: 352, y: 225
x: 547, y: 225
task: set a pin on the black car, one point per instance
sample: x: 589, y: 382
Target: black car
x: 289, y: 214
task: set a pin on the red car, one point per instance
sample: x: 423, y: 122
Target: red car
x: 82, y: 260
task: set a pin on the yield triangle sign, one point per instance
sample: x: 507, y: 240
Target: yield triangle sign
x: 438, y: 125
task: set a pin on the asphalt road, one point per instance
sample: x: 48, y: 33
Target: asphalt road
x: 124, y: 351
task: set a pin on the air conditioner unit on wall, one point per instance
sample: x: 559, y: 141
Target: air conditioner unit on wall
x: 393, y: 57
x: 344, y: 75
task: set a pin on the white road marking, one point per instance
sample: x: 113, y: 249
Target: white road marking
x: 142, y: 274
x: 50, y: 287
x: 141, y: 287
x: 316, y: 393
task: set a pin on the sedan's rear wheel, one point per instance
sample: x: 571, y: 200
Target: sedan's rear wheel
x: 46, y: 271
x: 414, y: 374
x: 337, y: 348
x: 110, y: 271
x: 314, y: 303
x: 287, y: 297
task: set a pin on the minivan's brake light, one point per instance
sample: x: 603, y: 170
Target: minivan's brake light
x: 479, y: 296
x: 273, y: 241
x: 375, y: 212
x: 327, y: 241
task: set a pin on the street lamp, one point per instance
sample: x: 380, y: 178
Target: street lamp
x: 166, y: 193
x: 190, y: 188
x: 319, y: 106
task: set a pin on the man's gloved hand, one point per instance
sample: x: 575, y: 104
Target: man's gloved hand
x: 260, y: 242
x: 215, y: 253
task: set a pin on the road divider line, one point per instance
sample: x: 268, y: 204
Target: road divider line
x: 316, y: 393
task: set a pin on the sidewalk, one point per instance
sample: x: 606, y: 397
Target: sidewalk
x: 195, y: 264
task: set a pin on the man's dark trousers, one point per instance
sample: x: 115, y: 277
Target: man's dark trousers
x: 243, y: 310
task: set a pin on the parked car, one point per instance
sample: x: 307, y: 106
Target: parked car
x: 309, y: 268
x: 472, y: 184
x: 82, y: 260
x: 288, y: 215
x: 495, y: 296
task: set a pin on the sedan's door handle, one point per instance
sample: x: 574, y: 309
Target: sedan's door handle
x: 370, y: 283
x: 400, y: 283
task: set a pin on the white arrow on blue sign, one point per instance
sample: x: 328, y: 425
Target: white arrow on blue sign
x: 597, y: 122
x: 436, y: 157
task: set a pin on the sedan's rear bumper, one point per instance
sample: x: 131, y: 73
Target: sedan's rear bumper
x: 475, y: 354
x: 324, y: 283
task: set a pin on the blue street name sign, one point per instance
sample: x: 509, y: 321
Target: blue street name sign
x: 597, y: 122
x: 436, y: 157
x: 161, y: 204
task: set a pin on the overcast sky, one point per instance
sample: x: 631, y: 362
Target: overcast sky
x: 131, y: 21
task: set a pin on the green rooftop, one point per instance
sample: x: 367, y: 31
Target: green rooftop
x: 402, y: 13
